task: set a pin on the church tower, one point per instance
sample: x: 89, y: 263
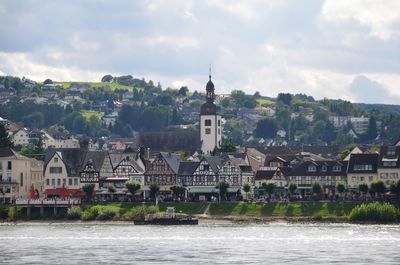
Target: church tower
x: 210, y: 121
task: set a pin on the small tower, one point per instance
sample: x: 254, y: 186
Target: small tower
x: 210, y: 121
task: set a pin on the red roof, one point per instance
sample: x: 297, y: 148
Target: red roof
x: 69, y: 192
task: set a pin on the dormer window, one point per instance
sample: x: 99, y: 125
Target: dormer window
x: 324, y: 168
x: 337, y: 168
x: 312, y: 168
x: 391, y: 150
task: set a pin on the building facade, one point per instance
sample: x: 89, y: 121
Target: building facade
x: 210, y: 122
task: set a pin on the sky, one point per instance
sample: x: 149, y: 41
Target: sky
x: 333, y: 48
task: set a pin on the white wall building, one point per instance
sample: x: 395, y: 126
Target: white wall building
x: 210, y: 122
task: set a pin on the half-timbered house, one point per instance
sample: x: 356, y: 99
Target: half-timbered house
x: 162, y: 171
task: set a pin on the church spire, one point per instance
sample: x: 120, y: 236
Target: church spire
x: 209, y: 73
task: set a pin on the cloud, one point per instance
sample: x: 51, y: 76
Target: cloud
x: 370, y: 91
x: 381, y: 17
x: 303, y: 46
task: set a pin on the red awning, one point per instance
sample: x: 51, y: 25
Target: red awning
x: 68, y: 192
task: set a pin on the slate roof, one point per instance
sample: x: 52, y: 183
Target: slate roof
x: 131, y: 158
x: 363, y: 159
x: 264, y: 174
x: 215, y: 162
x: 172, y: 160
x: 75, y: 159
x: 385, y: 154
x: 6, y: 152
x: 302, y: 168
x: 187, y: 168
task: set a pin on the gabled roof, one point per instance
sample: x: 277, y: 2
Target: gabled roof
x: 363, y: 159
x: 264, y: 174
x: 96, y: 157
x: 172, y: 160
x: 187, y: 167
x: 215, y: 162
x: 323, y: 168
x: 132, y: 158
x: 8, y: 152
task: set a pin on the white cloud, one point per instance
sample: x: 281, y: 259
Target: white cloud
x: 173, y: 41
x: 380, y: 17
x: 20, y: 64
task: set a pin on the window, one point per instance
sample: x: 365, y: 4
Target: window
x: 219, y: 123
x: 21, y: 180
x: 53, y: 182
x: 56, y: 160
x: 58, y: 182
x: 208, y: 131
x: 9, y: 165
x: 362, y: 167
x: 206, y: 167
x: 323, y: 169
x: 337, y: 168
x: 219, y: 131
x: 1, y: 165
x: 312, y: 168
x: 75, y: 182
x: 389, y: 164
x: 207, y: 122
x: 47, y: 182
x: 55, y: 170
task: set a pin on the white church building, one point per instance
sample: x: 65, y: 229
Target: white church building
x: 210, y: 122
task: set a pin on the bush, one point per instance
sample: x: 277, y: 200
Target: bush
x: 74, y: 213
x: 91, y: 213
x: 3, y: 213
x: 375, y: 212
x: 107, y: 214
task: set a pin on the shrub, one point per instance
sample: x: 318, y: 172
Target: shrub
x: 107, y: 214
x: 91, y: 213
x: 74, y: 213
x: 374, y: 212
x: 12, y: 214
x: 3, y: 213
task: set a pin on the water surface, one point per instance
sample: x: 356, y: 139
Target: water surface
x: 212, y: 244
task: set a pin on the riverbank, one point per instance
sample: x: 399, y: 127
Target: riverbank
x: 207, y: 213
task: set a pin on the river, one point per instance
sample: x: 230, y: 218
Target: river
x: 212, y: 244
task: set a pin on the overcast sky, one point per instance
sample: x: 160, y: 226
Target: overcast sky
x: 333, y: 48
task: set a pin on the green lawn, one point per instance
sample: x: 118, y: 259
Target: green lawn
x: 264, y: 102
x: 312, y: 209
x: 184, y: 207
x: 89, y: 113
x: 113, y: 86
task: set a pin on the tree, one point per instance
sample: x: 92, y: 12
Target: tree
x: 378, y: 187
x: 183, y: 91
x: 316, y: 189
x: 292, y: 188
x: 48, y: 81
x: 340, y: 188
x: 246, y: 189
x: 35, y: 120
x: 266, y: 128
x: 132, y: 187
x: 154, y: 190
x: 285, y: 98
x: 222, y: 189
x: 372, y: 131
x: 269, y: 187
x: 79, y: 124
x: 5, y: 140
x: 88, y: 189
x: 178, y: 191
x: 363, y: 188
x: 395, y: 189
x: 107, y: 79
x: 111, y: 189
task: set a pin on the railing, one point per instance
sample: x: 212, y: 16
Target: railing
x: 38, y: 202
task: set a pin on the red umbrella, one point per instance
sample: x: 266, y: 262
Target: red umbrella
x: 32, y: 195
x: 63, y: 192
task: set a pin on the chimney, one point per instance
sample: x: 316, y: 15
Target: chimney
x: 147, y: 153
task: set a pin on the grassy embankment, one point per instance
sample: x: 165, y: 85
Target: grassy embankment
x: 235, y: 211
x: 112, y: 86
x: 291, y: 210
